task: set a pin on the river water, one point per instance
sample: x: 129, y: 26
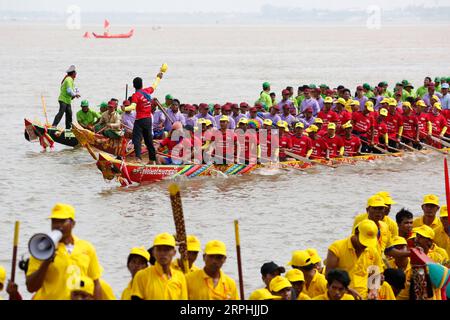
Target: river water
x: 279, y: 211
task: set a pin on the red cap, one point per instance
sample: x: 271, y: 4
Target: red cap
x: 285, y: 106
x: 431, y: 85
x: 234, y: 106
x: 309, y: 109
x: 285, y: 92
x: 329, y: 92
x: 243, y: 104
x: 203, y: 105
x: 359, y: 88
x: 317, y: 90
x: 253, y: 109
x: 111, y: 103
x: 276, y: 107
x: 226, y: 107
x: 189, y: 107
x: 217, y: 106
x: 126, y: 102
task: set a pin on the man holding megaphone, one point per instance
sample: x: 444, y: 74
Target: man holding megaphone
x: 59, y: 259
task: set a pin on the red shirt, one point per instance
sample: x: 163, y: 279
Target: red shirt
x: 393, y: 122
x: 351, y: 146
x: 410, y: 126
x: 226, y: 142
x: 170, y: 144
x: 362, y: 123
x: 143, y: 106
x: 285, y: 142
x: 251, y: 141
x: 266, y: 146
x: 334, y: 145
x: 301, y: 145
x: 327, y: 117
x: 446, y: 114
x: 322, y: 132
x: 343, y: 117
x: 437, y: 123
x: 379, y: 130
x: 422, y: 120
x: 319, y: 147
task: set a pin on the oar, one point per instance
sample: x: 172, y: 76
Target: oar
x: 444, y: 138
x: 407, y: 146
x: 296, y: 156
x: 239, y: 262
x: 180, y: 227
x: 126, y: 91
x: 447, y: 184
x: 440, y: 141
x: 45, y: 109
x: 14, y: 256
x: 380, y: 149
x: 163, y: 110
x: 426, y: 145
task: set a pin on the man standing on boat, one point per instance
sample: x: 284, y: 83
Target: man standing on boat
x: 67, y: 93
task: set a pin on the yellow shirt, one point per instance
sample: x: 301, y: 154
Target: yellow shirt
x: 393, y: 227
x: 324, y: 296
x: 404, y: 293
x: 417, y: 222
x: 107, y: 291
x: 126, y: 293
x: 65, y: 271
x: 152, y: 283
x: 317, y: 286
x: 442, y: 239
x: 356, y: 266
x: 201, y: 287
x: 385, y: 234
x: 385, y: 292
x: 303, y: 296
x: 177, y: 267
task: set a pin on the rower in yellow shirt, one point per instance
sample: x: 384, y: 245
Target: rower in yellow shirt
x: 401, y: 262
x: 316, y: 259
x: 315, y: 282
x: 442, y: 233
x: 355, y: 255
x: 160, y: 281
x: 338, y: 281
x: 281, y: 287
x: 269, y: 270
x: 137, y: 260
x: 297, y: 280
x: 193, y: 248
x: 211, y: 283
x: 430, y: 207
x: 53, y: 279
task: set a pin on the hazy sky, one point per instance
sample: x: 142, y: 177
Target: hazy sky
x: 202, y: 5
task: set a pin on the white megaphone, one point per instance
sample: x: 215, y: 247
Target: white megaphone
x: 42, y: 246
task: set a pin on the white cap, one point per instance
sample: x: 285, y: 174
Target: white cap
x: 445, y: 86
x: 71, y: 69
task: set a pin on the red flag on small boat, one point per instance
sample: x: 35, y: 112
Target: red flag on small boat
x: 86, y: 35
x: 45, y: 140
x: 106, y: 24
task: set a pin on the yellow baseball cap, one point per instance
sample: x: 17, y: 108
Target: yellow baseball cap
x: 318, y: 120
x: 299, y: 125
x: 208, y: 122
x: 267, y: 122
x: 407, y: 105
x: 141, y: 251
x: 431, y: 199
x: 315, y: 258
x: 387, y: 197
x: 2, y: 275
x: 385, y: 100
x: 328, y: 100
x: 355, y: 103
x: 279, y: 283
x: 312, y: 128
x: 421, y: 103
x: 346, y: 125
x: 383, y: 112
x: 393, y: 102
x: 376, y: 201
x: 85, y: 284
x: 224, y: 118
x: 331, y: 125
x: 164, y: 239
x: 300, y: 258
x: 443, y: 212
x: 193, y: 244
x: 396, y: 241
x: 341, y: 101
x: 369, y: 106
x: 263, y: 294
x: 437, y: 105
x: 368, y: 231
x: 243, y: 120
x: 435, y: 97
x: 62, y: 211
x: 216, y: 247
x: 424, y: 231
x: 295, y: 275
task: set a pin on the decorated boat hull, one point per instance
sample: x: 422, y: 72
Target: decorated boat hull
x: 35, y: 130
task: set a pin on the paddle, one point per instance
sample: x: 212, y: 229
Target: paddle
x: 14, y: 256
x: 447, y: 184
x: 126, y: 91
x: 426, y: 145
x: 45, y: 109
x: 296, y: 156
x: 444, y: 138
x: 239, y: 262
x: 407, y: 146
x: 177, y: 210
x: 163, y: 110
x: 380, y: 149
x: 440, y: 141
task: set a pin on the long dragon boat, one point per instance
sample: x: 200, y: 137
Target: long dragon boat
x: 35, y: 131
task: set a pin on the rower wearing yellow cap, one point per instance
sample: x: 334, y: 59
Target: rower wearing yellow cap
x: 401, y: 262
x: 280, y: 286
x: 316, y: 260
x: 355, y: 254
x: 380, y: 135
x: 193, y: 248
x: 335, y: 143
x: 442, y: 233
x: 73, y: 258
x: 297, y: 280
x: 269, y: 270
x: 315, y: 283
x: 430, y: 207
x: 352, y: 144
x: 160, y: 281
x: 137, y: 260
x: 211, y: 283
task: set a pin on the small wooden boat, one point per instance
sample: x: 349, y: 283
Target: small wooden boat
x: 35, y: 131
x: 106, y: 35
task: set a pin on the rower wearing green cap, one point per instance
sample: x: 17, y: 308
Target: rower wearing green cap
x: 168, y: 102
x: 368, y: 91
x: 86, y: 117
x: 264, y: 97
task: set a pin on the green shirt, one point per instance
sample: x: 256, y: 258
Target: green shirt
x: 421, y: 91
x: 88, y: 118
x: 64, y: 96
x: 265, y: 99
x: 300, y: 99
x: 369, y: 94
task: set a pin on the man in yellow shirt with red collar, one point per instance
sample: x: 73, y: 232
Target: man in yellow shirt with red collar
x: 211, y: 283
x: 55, y: 278
x: 160, y: 281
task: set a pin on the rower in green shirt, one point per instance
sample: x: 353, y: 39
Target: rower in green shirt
x: 86, y: 117
x: 265, y: 98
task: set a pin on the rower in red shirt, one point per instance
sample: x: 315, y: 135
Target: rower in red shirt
x: 423, y: 120
x: 321, y: 128
x: 363, y: 122
x: 265, y: 142
x: 352, y: 144
x: 169, y: 143
x: 334, y: 142
x: 284, y: 137
x: 248, y: 138
x: 446, y: 114
x: 327, y: 115
x: 226, y: 143
x: 319, y: 146
x: 410, y: 126
x: 380, y: 135
x: 438, y: 125
x: 301, y: 143
x: 343, y: 115
x: 394, y: 124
